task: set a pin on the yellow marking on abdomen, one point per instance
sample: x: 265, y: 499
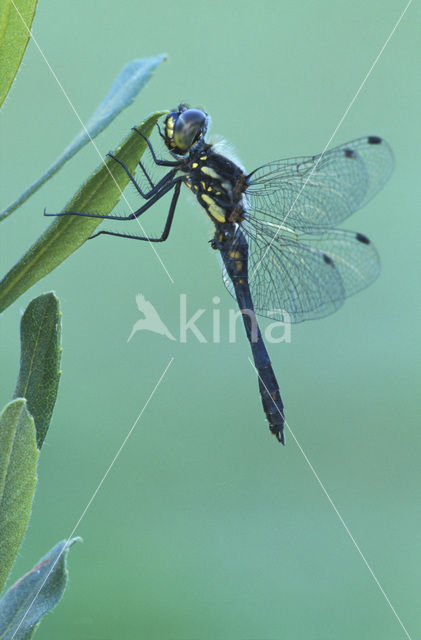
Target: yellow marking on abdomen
x: 195, y: 165
x: 235, y: 255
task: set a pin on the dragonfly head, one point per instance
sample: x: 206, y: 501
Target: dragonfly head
x: 184, y: 129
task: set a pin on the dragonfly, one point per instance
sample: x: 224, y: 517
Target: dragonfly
x: 275, y: 228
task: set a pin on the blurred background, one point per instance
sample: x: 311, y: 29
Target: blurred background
x: 205, y: 526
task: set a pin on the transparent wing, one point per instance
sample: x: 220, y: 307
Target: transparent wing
x: 295, y: 277
x: 309, y: 193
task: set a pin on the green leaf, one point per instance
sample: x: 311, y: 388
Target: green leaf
x: 18, y: 461
x: 14, y: 37
x: 40, y: 355
x: 100, y: 193
x: 125, y: 88
x: 34, y: 595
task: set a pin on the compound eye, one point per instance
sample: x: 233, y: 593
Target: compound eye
x: 189, y: 127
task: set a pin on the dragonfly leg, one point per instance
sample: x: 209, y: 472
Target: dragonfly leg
x: 135, y: 214
x: 167, y: 227
x: 160, y: 132
x: 147, y: 176
x: 154, y: 189
x: 161, y: 163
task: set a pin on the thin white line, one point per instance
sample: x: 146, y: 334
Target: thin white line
x: 90, y: 138
x: 333, y: 134
x: 95, y: 493
x: 342, y: 521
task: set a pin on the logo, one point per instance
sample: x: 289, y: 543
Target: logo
x: 274, y: 333
x: 151, y: 320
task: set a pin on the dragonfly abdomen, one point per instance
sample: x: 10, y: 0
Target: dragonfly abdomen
x: 232, y: 244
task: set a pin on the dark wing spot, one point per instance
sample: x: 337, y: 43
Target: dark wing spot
x: 327, y: 259
x: 349, y: 153
x: 374, y: 140
x: 362, y: 238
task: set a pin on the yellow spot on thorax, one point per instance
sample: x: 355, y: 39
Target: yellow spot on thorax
x: 210, y: 172
x: 215, y: 211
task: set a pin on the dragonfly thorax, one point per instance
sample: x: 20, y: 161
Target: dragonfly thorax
x: 218, y: 183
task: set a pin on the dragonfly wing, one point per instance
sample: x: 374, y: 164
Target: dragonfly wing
x: 314, y: 192
x: 295, y: 277
x: 354, y: 256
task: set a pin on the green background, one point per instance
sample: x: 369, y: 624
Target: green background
x: 205, y: 527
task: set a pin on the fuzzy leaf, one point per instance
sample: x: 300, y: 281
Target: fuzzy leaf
x: 39, y: 373
x: 34, y: 595
x: 18, y: 461
x: 14, y: 36
x: 125, y: 88
x: 101, y: 192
